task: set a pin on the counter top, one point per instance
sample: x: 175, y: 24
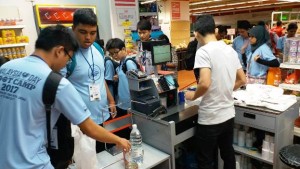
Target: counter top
x: 152, y: 157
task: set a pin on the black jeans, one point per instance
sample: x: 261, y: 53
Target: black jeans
x: 211, y: 137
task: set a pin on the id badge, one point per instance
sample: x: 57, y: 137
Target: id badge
x: 94, y: 92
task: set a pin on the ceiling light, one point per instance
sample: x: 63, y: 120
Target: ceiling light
x: 147, y: 2
x: 198, y: 3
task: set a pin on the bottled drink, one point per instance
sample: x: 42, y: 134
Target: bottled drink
x: 137, y: 151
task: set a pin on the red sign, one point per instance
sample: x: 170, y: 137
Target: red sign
x: 175, y: 10
x: 121, y: 3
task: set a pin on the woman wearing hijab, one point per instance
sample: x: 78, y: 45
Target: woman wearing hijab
x: 261, y: 57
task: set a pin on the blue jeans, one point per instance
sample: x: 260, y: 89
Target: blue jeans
x: 211, y: 137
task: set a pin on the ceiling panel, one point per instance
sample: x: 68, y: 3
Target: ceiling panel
x: 218, y: 7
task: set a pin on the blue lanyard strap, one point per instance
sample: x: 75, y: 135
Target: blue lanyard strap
x: 92, y: 68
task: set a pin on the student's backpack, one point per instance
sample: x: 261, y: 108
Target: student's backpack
x: 61, y: 155
x: 72, y: 65
x: 191, y: 53
x: 116, y: 64
x: 112, y: 83
x: 124, y: 67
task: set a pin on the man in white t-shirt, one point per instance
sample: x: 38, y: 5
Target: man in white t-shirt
x: 22, y: 115
x: 220, y: 74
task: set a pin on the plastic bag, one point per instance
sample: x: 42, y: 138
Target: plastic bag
x: 84, y: 151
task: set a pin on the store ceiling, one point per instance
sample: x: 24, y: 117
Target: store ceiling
x: 227, y: 7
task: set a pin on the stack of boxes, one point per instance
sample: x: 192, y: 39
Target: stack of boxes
x: 9, y: 37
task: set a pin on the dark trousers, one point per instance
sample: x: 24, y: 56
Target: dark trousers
x: 125, y: 133
x: 211, y: 137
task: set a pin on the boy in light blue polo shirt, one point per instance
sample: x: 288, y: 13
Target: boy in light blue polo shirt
x: 23, y: 128
x: 118, y: 51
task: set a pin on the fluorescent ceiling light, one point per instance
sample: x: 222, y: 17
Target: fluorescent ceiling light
x: 290, y: 0
x: 147, y: 2
x: 198, y: 3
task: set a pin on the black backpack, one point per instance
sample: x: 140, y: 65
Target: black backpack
x: 61, y: 157
x: 112, y: 83
x: 191, y: 53
x: 116, y: 64
x: 124, y: 67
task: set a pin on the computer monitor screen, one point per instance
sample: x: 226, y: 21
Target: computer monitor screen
x: 161, y: 54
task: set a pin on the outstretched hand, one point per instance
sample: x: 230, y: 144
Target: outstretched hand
x: 124, y: 144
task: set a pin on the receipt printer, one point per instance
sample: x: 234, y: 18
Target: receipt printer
x: 146, y: 104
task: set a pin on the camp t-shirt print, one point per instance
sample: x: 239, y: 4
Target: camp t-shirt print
x: 13, y: 80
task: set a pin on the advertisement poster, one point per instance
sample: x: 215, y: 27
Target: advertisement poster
x: 175, y: 10
x: 126, y: 14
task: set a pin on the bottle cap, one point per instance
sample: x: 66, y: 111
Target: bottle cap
x: 134, y: 126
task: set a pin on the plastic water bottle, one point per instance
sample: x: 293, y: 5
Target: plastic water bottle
x: 137, y: 151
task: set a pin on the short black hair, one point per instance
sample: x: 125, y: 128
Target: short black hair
x: 164, y: 37
x: 84, y: 16
x: 292, y: 25
x: 278, y: 23
x: 222, y: 29
x: 107, y: 47
x: 204, y: 25
x: 144, y: 25
x: 58, y: 35
x: 243, y: 24
x: 115, y: 43
x: 261, y: 23
x: 3, y: 60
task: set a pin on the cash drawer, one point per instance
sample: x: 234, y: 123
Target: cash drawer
x: 252, y: 119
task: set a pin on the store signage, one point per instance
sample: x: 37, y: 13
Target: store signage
x: 175, y: 10
x: 231, y: 31
x: 56, y: 14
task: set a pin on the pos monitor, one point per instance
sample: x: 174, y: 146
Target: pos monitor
x: 160, y: 51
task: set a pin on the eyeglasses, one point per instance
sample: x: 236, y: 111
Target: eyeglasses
x: 114, y: 53
x: 70, y: 58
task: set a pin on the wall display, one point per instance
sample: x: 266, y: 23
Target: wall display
x: 126, y: 14
x: 56, y: 14
x: 12, y: 40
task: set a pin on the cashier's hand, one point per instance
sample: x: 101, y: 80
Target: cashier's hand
x: 123, y: 144
x: 189, y: 95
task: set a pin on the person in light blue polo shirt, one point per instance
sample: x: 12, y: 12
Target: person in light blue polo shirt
x: 241, y: 43
x: 291, y: 32
x: 88, y: 74
x: 261, y: 57
x: 23, y: 128
x: 118, y: 51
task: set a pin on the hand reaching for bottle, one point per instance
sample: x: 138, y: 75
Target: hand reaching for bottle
x: 124, y: 144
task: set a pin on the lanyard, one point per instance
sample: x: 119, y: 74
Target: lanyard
x: 92, y: 68
x: 38, y: 57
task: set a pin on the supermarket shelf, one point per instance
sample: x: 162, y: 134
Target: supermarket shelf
x: 290, y: 66
x: 13, y: 27
x: 13, y: 45
x: 251, y: 154
x: 295, y: 87
x: 296, y: 131
x: 148, y: 13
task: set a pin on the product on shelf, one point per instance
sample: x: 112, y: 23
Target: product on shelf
x: 292, y: 51
x: 9, y: 21
x: 13, y: 53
